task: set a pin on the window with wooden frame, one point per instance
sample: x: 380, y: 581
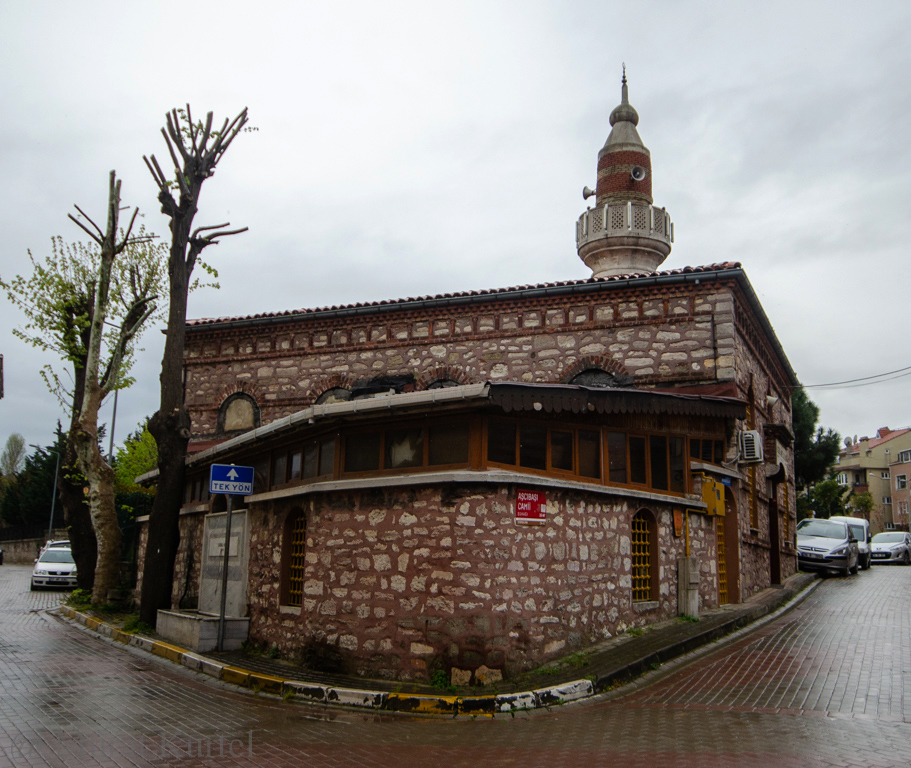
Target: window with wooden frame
x: 707, y: 450
x: 405, y: 447
x: 653, y: 461
x: 560, y: 449
x: 294, y: 560
x: 196, y: 489
x: 313, y: 459
x: 644, y: 539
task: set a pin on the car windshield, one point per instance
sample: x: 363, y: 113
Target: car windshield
x: 824, y: 528
x: 888, y: 538
x: 56, y: 556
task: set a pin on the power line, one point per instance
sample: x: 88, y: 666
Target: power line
x: 867, y: 379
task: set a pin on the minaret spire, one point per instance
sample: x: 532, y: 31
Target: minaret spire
x: 625, y: 234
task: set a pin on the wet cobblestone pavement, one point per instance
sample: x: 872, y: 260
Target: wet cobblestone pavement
x: 828, y: 684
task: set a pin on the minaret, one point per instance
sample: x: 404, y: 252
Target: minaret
x: 624, y: 234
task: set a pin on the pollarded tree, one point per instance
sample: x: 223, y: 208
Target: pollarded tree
x: 58, y: 300
x: 195, y: 150
x: 103, y: 365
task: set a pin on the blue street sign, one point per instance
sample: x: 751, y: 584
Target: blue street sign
x: 235, y: 481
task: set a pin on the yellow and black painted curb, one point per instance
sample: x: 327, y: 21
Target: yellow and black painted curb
x: 346, y: 697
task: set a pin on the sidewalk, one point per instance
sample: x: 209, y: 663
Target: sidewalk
x: 579, y: 675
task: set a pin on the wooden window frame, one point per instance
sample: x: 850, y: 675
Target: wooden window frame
x: 424, y: 426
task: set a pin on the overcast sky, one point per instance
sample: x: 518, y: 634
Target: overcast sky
x: 418, y: 148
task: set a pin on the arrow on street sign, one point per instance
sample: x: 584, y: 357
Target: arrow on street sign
x: 232, y: 480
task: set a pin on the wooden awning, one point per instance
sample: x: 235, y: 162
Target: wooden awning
x: 556, y: 398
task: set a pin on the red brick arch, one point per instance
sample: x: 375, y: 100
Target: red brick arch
x: 442, y: 372
x: 335, y: 381
x: 600, y: 362
x: 237, y: 387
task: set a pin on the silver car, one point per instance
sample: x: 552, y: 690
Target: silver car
x: 54, y: 568
x: 826, y: 545
x: 892, y: 547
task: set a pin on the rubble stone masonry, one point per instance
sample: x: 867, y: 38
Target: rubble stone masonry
x: 406, y: 581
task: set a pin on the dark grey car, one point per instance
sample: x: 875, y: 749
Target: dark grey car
x: 827, y: 545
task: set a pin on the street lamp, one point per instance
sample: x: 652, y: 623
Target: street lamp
x: 50, y: 525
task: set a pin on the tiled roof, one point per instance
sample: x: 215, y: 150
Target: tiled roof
x: 872, y: 442
x: 442, y: 297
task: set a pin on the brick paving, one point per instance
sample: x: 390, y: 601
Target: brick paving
x: 825, y: 685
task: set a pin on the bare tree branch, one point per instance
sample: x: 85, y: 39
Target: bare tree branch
x: 207, y: 131
x: 84, y: 227
x: 89, y: 220
x: 160, y: 180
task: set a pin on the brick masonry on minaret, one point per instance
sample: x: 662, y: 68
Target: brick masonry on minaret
x: 615, y: 181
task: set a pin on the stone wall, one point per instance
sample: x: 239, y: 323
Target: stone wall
x: 656, y: 338
x: 405, y: 582
x: 21, y: 551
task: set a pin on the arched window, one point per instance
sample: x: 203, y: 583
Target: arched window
x: 334, y: 395
x: 294, y: 549
x: 238, y: 413
x: 443, y: 384
x: 595, y: 377
x: 644, y: 536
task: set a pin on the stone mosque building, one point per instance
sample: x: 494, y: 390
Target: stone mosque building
x: 497, y: 478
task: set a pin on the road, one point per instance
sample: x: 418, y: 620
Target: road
x: 828, y: 684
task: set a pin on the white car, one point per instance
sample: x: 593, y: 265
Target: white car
x: 892, y: 547
x: 54, y: 568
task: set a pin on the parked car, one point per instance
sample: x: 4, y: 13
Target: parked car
x: 861, y: 529
x: 1, y: 555
x: 892, y: 547
x: 54, y: 568
x: 827, y: 545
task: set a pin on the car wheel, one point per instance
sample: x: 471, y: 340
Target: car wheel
x: 906, y: 560
x: 856, y: 567
x: 33, y: 588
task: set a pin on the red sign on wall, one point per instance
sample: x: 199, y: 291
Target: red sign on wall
x: 531, y: 507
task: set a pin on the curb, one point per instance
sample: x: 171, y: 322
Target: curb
x: 347, y: 697
x: 421, y: 704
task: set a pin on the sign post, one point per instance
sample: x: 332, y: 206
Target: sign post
x: 232, y: 481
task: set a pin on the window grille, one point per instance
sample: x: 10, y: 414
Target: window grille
x: 722, y: 563
x: 642, y: 566
x: 298, y: 545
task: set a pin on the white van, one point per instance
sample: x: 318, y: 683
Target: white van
x: 861, y: 530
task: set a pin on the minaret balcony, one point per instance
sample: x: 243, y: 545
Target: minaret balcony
x: 624, y: 220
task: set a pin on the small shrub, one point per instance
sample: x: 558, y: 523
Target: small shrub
x: 273, y: 652
x: 690, y: 619
x: 132, y: 625
x: 440, y: 681
x: 577, y: 660
x: 635, y: 631
x: 79, y: 598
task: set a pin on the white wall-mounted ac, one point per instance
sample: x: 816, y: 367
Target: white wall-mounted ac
x: 751, y: 447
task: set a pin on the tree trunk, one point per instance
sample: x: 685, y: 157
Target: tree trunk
x: 76, y: 512
x: 100, y: 477
x: 78, y: 518
x: 170, y: 426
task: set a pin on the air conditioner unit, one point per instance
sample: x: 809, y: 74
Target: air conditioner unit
x: 751, y: 447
